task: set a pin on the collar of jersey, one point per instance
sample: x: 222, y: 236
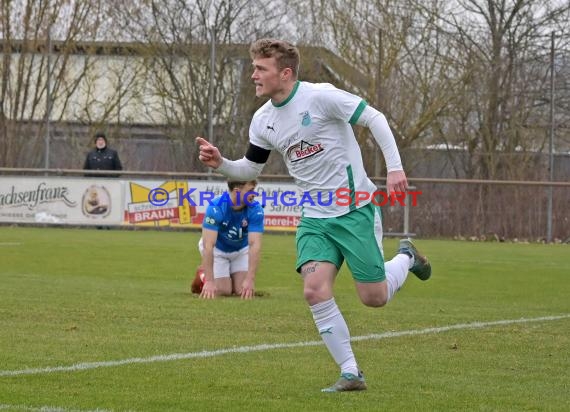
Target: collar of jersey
x: 288, y: 99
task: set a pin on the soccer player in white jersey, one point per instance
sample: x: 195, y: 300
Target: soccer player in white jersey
x: 310, y: 125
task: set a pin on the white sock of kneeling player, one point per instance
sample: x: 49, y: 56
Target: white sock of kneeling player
x: 334, y: 331
x: 396, y: 273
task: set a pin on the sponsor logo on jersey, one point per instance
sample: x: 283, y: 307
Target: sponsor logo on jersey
x: 303, y: 150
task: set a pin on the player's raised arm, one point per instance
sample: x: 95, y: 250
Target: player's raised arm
x: 246, y: 168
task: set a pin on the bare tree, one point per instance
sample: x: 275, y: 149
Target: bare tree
x: 500, y: 49
x: 26, y: 59
x: 176, y: 37
x: 397, y: 59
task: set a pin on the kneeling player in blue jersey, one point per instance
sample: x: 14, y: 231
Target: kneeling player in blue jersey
x: 230, y: 244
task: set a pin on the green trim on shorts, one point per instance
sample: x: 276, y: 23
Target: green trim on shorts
x: 349, y: 237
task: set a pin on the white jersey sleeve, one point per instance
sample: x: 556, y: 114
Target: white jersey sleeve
x: 258, y: 128
x: 340, y: 104
x: 242, y: 169
x: 378, y: 125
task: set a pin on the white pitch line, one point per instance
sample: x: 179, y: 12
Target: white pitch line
x: 46, y: 409
x: 266, y: 346
x: 10, y: 244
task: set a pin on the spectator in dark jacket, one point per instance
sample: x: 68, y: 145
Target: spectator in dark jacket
x: 102, y: 157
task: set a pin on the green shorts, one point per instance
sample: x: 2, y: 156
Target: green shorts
x: 355, y: 236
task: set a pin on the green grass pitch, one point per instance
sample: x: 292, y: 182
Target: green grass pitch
x: 77, y: 296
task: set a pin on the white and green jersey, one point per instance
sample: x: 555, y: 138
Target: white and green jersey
x: 312, y: 131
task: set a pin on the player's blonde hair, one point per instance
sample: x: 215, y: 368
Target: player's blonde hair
x: 286, y: 55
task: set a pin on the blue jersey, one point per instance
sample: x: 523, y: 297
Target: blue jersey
x: 232, y: 225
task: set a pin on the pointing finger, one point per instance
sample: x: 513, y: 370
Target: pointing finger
x: 202, y: 142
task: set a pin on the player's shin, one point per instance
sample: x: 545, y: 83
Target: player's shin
x: 334, y: 331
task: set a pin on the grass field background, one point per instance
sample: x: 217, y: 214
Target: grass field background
x: 72, y: 296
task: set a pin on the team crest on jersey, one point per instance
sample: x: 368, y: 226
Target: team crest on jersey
x: 306, y: 121
x: 244, y: 223
x: 303, y: 150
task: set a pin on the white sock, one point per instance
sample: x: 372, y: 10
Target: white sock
x: 397, y: 272
x: 334, y: 332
